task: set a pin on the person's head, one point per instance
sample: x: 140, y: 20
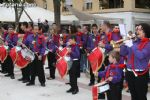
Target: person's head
x: 130, y: 33
x: 72, y: 40
x: 30, y: 26
x: 46, y: 21
x: 11, y: 29
x: 41, y: 28
x: 73, y: 29
x: 54, y: 26
x: 79, y: 28
x: 85, y: 29
x: 105, y: 26
x: 51, y: 31
x: 4, y: 27
x: 143, y: 30
x: 35, y: 29
x: 24, y: 26
x: 114, y: 57
x: 94, y: 28
x: 116, y: 29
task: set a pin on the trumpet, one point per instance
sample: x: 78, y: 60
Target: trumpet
x: 116, y: 44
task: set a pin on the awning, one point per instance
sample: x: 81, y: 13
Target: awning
x: 82, y: 16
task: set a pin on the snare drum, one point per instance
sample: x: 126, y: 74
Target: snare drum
x: 99, y: 88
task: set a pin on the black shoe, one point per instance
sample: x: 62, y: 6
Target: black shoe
x: 67, y: 83
x: 50, y: 78
x: 21, y: 79
x: 7, y: 75
x: 25, y: 81
x: 91, y: 84
x: 4, y: 72
x: 43, y: 84
x: 70, y: 90
x: 12, y: 77
x: 30, y: 84
x: 46, y: 67
x: 75, y: 91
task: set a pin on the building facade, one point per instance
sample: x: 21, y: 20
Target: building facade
x: 130, y: 12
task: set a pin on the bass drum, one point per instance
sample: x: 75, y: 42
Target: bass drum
x: 21, y: 62
x: 95, y: 60
x: 63, y: 64
x: 14, y: 53
x: 3, y: 53
x: 28, y: 55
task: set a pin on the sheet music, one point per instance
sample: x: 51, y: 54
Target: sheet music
x: 122, y: 30
x: 128, y: 43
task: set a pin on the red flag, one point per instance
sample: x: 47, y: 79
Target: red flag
x: 62, y: 67
x: 95, y: 92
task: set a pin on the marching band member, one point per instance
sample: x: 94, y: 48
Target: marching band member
x: 11, y: 41
x: 4, y: 35
x: 55, y: 40
x: 26, y: 71
x: 79, y: 35
x: 92, y: 42
x: 51, y: 56
x: 74, y: 71
x: 36, y: 42
x: 107, y: 36
x: 113, y: 75
x: 138, y: 57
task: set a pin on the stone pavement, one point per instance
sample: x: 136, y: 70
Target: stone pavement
x: 54, y: 90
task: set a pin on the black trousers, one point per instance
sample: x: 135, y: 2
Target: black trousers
x: 74, y: 74
x: 26, y: 72
x: 101, y: 95
x: 51, y: 61
x: 9, y: 66
x: 92, y: 76
x: 138, y: 86
x: 37, y: 69
x: 115, y: 92
x: 4, y: 68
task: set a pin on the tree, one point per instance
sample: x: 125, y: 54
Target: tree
x: 57, y: 13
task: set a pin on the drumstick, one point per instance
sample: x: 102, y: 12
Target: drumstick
x: 26, y: 47
x: 101, y: 83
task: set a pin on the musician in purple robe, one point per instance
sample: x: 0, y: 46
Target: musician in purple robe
x: 36, y: 42
x: 4, y: 35
x: 52, y: 47
x: 11, y: 41
x: 27, y: 29
x: 138, y: 57
x: 113, y: 75
x: 74, y: 71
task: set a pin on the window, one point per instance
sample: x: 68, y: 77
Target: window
x: 106, y: 4
x: 66, y: 3
x: 87, y: 5
x: 142, y: 4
